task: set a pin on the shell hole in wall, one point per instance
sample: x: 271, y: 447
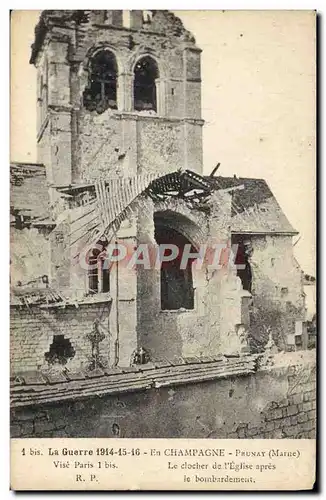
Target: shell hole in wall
x: 60, y: 352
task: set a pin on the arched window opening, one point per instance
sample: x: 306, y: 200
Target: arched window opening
x: 177, y: 289
x: 147, y: 16
x: 244, y: 252
x: 145, y: 75
x: 101, y: 92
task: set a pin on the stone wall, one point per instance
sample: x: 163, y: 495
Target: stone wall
x: 29, y: 255
x: 160, y: 146
x: 32, y: 330
x: 278, y: 401
x: 278, y: 298
x: 126, y: 144
x: 100, y: 138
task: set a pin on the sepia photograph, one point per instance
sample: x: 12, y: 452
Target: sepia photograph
x: 162, y: 225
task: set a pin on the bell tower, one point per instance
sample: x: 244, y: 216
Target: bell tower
x: 119, y: 93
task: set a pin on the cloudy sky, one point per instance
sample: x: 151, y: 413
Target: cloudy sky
x: 258, y: 102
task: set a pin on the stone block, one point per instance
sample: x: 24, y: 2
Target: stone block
x: 43, y: 425
x: 307, y: 406
x: 292, y: 410
x: 296, y: 399
x: 302, y: 417
x: 269, y: 426
x: 286, y: 422
x: 309, y: 396
x: 276, y: 413
x: 311, y: 415
x: 294, y: 420
x: 27, y: 429
x: 290, y: 431
x: 253, y: 432
x: 15, y: 430
x: 308, y: 426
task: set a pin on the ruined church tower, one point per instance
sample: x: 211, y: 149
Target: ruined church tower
x: 119, y: 94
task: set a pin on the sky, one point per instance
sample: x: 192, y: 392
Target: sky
x: 258, y: 103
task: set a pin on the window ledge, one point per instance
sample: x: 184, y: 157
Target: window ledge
x: 177, y: 311
x: 96, y: 298
x: 143, y: 115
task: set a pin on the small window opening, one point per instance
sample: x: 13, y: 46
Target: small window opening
x: 22, y: 221
x: 93, y: 275
x: 107, y: 17
x: 105, y: 280
x: 298, y: 341
x: 61, y: 351
x: 145, y: 75
x: 242, y: 259
x: 101, y: 92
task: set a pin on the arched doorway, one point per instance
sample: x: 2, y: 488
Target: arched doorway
x: 176, y: 281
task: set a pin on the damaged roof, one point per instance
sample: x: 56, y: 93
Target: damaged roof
x: 43, y: 388
x: 28, y: 190
x: 33, y: 295
x: 254, y: 208
x: 162, y: 22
